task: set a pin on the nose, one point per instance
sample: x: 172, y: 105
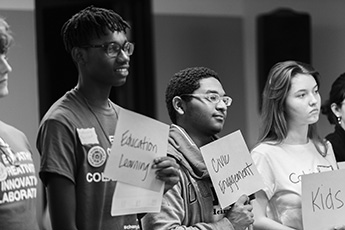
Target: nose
x: 122, y: 57
x: 4, y: 65
x: 314, y: 99
x: 221, y: 105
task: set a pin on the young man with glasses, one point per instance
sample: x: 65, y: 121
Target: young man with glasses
x: 197, y: 106
x: 75, y: 135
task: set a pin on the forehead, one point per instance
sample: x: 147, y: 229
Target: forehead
x: 116, y: 36
x: 302, y: 81
x: 210, y: 84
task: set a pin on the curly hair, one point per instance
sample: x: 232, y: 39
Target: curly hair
x: 337, y: 96
x: 6, y: 38
x: 88, y: 23
x: 185, y: 81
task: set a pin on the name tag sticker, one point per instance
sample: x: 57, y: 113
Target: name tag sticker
x: 87, y: 136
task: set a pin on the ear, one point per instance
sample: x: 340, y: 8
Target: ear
x: 79, y: 55
x: 335, y: 109
x: 178, y: 105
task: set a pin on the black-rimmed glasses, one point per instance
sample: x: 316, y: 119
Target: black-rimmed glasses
x: 212, y: 97
x: 113, y: 49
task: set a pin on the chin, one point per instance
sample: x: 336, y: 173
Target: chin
x: 3, y: 93
x: 217, y: 129
x: 120, y: 82
x: 314, y: 120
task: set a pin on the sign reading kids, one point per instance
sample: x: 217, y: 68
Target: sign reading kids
x: 231, y: 168
x: 137, y: 141
x: 323, y: 199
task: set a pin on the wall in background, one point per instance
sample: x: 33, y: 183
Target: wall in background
x: 216, y: 42
x: 17, y: 4
x: 328, y: 50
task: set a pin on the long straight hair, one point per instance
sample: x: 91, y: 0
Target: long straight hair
x: 274, y: 123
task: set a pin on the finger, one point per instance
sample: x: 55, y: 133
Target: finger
x: 168, y: 179
x: 164, y: 162
x: 242, y: 200
x: 249, y: 207
x: 170, y: 171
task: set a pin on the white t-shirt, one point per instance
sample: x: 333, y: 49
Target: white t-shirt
x: 281, y: 167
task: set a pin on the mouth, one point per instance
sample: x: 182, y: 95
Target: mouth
x: 3, y: 80
x: 122, y: 70
x: 219, y: 117
x: 314, y: 111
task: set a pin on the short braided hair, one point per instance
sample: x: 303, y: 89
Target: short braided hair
x: 90, y: 22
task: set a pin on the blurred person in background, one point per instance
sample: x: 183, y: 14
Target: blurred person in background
x: 334, y: 109
x: 18, y: 191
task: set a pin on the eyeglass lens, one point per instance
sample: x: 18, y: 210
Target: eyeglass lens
x: 114, y: 49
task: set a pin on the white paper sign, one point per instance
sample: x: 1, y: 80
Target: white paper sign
x: 130, y: 199
x: 341, y: 165
x: 137, y: 142
x: 323, y: 200
x: 231, y: 168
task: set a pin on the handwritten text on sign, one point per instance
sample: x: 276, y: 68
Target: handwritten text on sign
x: 231, y: 168
x: 323, y: 200
x: 138, y: 140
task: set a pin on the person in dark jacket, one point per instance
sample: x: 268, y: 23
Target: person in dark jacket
x: 334, y: 108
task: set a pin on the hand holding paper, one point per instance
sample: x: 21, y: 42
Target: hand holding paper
x: 167, y: 171
x: 240, y: 213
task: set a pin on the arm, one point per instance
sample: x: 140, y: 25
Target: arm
x: 173, y: 213
x: 62, y: 202
x: 261, y: 221
x: 55, y: 143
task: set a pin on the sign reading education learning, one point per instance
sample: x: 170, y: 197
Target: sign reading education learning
x: 323, y: 200
x: 138, y: 140
x: 231, y: 168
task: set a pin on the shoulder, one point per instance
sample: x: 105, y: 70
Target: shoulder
x: 334, y: 138
x: 10, y: 130
x: 66, y: 109
x: 265, y: 148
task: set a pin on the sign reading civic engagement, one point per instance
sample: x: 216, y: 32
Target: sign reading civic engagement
x: 137, y: 142
x: 231, y: 168
x: 323, y: 200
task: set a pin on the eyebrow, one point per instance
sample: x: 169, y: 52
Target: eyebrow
x: 214, y: 91
x: 305, y: 90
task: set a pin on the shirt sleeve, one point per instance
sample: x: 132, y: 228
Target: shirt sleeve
x: 265, y: 170
x: 55, y: 143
